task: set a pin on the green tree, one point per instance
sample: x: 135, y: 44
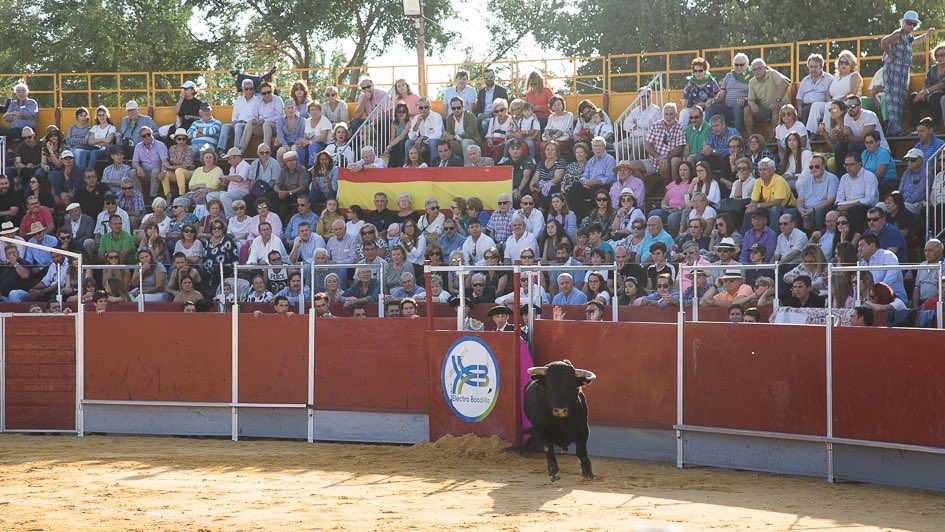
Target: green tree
x: 300, y: 32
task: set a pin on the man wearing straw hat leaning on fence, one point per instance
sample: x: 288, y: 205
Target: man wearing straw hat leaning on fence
x: 729, y: 288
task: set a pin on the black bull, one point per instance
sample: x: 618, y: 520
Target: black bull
x: 557, y: 408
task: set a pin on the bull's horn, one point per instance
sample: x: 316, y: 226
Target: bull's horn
x: 589, y: 375
x: 541, y: 371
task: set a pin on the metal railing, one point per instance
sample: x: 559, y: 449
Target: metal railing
x: 130, y: 267
x: 683, y: 268
x: 884, y: 267
x: 615, y: 73
x: 626, y: 144
x: 935, y: 194
x: 375, y: 131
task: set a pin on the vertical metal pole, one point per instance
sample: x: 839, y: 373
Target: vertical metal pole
x: 79, y: 357
x: 461, y: 314
x: 380, y: 291
x: 680, y: 322
x: 428, y: 286
x: 234, y: 367
x: 938, y: 311
x: 140, y: 287
x: 695, y: 296
x: 777, y: 283
x: 829, y: 374
x: 310, y: 401
x: 517, y: 347
x: 531, y: 309
x: 613, y: 297
x: 302, y: 294
x: 220, y: 308
x: 311, y: 286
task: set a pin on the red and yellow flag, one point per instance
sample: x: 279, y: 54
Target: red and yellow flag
x: 444, y: 184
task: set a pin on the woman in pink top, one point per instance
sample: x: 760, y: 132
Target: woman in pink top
x: 675, y: 198
x: 403, y: 94
x: 539, y: 95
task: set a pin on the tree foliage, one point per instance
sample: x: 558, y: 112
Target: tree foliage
x: 301, y: 32
x: 100, y: 36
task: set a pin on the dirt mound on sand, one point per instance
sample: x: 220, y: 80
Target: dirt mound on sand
x: 468, y: 447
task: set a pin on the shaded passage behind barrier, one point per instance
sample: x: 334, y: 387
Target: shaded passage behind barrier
x: 635, y: 365
x: 165, y: 357
x: 40, y: 373
x: 756, y: 377
x: 273, y: 359
x: 371, y: 365
x: 889, y: 385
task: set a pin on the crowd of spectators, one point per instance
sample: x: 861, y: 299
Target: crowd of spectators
x: 184, y: 206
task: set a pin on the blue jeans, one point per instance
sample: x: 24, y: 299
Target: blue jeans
x: 734, y: 116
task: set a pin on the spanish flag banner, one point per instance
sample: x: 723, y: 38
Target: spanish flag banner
x: 444, y: 184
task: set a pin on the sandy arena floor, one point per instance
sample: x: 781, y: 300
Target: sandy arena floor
x: 155, y: 483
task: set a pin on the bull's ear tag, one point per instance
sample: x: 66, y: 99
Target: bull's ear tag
x: 469, y: 378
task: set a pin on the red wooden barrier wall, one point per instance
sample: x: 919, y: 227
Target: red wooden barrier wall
x: 40, y: 373
x: 168, y: 357
x: 755, y: 376
x: 273, y: 363
x: 889, y: 385
x: 371, y: 364
x: 635, y: 365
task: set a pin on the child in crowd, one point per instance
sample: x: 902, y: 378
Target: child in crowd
x: 582, y: 251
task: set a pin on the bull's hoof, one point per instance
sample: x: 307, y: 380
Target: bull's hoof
x: 555, y: 477
x: 589, y: 476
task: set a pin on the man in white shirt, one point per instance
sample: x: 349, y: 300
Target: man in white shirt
x: 242, y: 113
x: 872, y: 255
x: 425, y: 129
x: 477, y: 243
x: 791, y: 241
x: 813, y: 92
x: 636, y: 124
x: 858, y: 191
x: 856, y: 124
x: 519, y: 240
x: 533, y: 217
x: 263, y: 244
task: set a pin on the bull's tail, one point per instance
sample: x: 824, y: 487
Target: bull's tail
x: 530, y: 445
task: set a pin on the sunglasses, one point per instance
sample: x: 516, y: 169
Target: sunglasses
x: 601, y: 199
x: 499, y: 110
x: 853, y: 105
x: 910, y: 159
x: 526, y: 203
x: 638, y: 227
x: 434, y: 208
x: 456, y: 108
x: 265, y: 93
x: 911, y: 23
x: 662, y: 286
x: 188, y: 231
x: 872, y: 219
x: 30, y: 137
x: 331, y: 94
x: 368, y: 87
x: 112, y: 257
x: 127, y: 188
x: 239, y: 208
x: 743, y: 168
x: 843, y: 62
x: 739, y: 65
x: 502, y: 202
x: 145, y: 135
x: 843, y: 223
x: 528, y: 256
x: 110, y: 202
x: 489, y: 257
x: 422, y: 107
x: 247, y: 88
x: 693, y: 118
x: 449, y: 228
x: 698, y: 70
x: 478, y: 285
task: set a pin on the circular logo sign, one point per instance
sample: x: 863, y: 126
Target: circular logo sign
x: 470, y: 377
